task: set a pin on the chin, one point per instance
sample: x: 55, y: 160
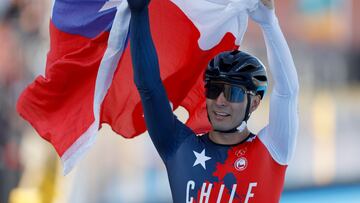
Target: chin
x: 221, y: 127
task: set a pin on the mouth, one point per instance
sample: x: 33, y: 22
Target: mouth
x: 221, y: 115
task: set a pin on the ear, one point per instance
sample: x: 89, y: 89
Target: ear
x: 255, y: 102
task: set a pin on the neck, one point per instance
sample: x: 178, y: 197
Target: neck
x: 229, y: 138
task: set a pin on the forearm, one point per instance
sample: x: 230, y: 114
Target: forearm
x: 143, y: 52
x: 281, y: 63
x: 281, y: 133
x: 160, y: 121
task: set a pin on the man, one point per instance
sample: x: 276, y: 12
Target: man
x: 228, y: 164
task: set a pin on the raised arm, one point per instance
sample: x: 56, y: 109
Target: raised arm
x: 161, y: 123
x: 281, y: 133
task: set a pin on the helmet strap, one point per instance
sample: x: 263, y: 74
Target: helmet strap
x: 242, y: 126
x: 247, y: 111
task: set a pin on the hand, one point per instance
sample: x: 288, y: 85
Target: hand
x: 138, y: 5
x: 265, y: 13
x: 268, y: 3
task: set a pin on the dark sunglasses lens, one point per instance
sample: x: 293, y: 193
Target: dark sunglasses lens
x: 213, y: 91
x: 234, y: 94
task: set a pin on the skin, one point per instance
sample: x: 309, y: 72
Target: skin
x: 225, y: 115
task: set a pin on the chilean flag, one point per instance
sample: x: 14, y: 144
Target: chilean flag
x: 89, y: 80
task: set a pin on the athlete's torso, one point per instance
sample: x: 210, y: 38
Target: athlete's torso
x: 199, y: 170
x: 202, y: 171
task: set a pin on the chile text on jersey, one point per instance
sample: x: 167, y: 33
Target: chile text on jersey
x: 202, y: 171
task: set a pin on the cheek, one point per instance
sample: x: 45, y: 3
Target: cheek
x: 238, y: 110
x: 209, y: 103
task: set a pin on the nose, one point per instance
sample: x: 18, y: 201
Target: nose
x: 221, y: 100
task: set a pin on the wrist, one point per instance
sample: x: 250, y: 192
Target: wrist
x: 139, y: 13
x: 271, y: 21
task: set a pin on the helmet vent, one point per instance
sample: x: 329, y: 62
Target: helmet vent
x: 241, y: 78
x: 261, y: 78
x: 226, y: 65
x: 247, y: 68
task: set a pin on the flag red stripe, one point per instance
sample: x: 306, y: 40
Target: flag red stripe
x: 60, y: 105
x: 182, y: 63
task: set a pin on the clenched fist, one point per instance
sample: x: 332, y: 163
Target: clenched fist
x: 265, y: 13
x: 138, y: 5
x: 268, y: 3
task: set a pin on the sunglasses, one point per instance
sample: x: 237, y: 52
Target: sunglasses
x: 232, y: 93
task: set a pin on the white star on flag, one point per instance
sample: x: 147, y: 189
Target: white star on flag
x: 110, y: 4
x: 201, y: 158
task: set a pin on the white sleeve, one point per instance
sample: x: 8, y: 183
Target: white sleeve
x: 280, y: 135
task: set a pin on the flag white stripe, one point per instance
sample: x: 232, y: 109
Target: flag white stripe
x: 110, y: 4
x: 215, y: 18
x: 116, y: 45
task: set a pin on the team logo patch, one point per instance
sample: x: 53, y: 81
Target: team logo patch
x: 241, y: 164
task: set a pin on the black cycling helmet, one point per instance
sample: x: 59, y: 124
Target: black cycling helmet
x: 238, y: 68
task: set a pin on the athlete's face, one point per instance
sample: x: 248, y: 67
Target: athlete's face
x: 226, y: 115
x: 223, y: 114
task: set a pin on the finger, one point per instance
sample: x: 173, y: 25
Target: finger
x: 268, y: 3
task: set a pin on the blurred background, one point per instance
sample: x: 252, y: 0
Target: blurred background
x: 324, y: 36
